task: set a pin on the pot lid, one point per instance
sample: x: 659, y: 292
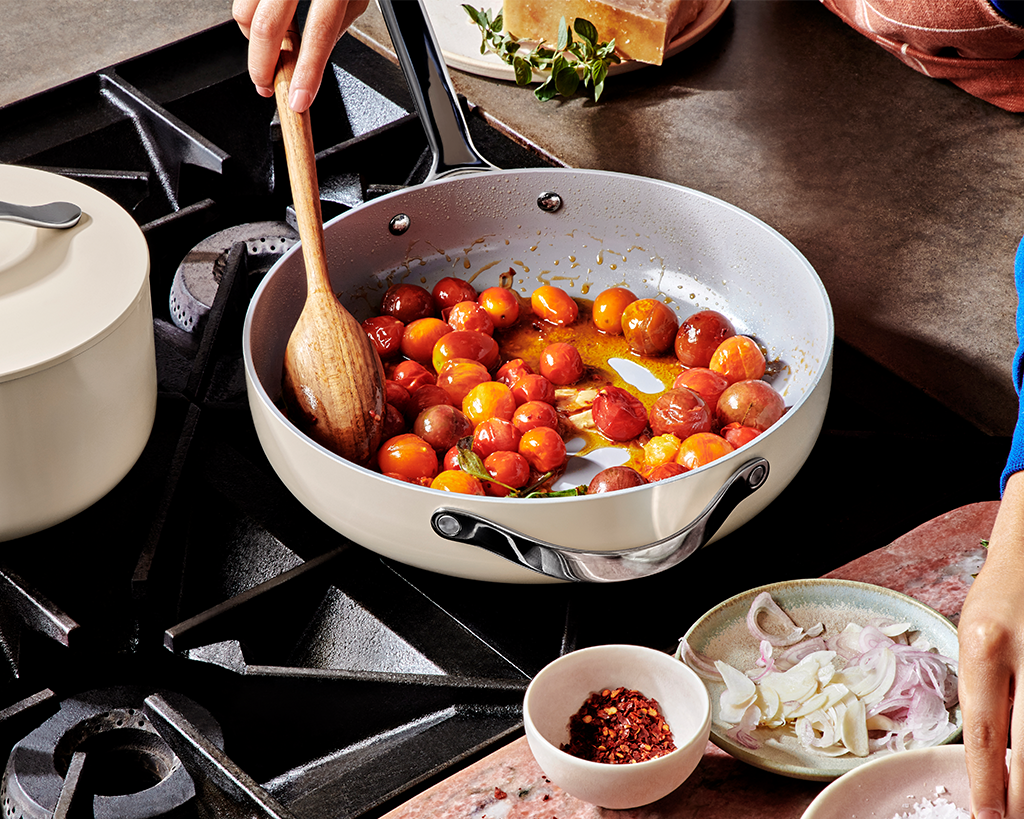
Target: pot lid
x: 61, y: 291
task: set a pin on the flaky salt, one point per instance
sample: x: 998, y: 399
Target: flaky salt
x: 938, y: 808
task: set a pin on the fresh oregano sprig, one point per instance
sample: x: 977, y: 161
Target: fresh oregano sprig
x: 569, y: 63
x: 473, y: 464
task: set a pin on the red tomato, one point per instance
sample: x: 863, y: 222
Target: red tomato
x: 702, y: 448
x: 396, y: 395
x: 532, y: 414
x: 649, y: 326
x: 509, y: 468
x: 386, y: 334
x: 455, y: 480
x: 663, y: 471
x: 501, y: 304
x: 681, y: 412
x: 449, y: 291
x: 490, y: 400
x: 394, y: 422
x: 708, y: 384
x: 738, y: 358
x: 420, y: 337
x: 468, y: 315
x: 407, y: 302
x: 699, y: 337
x: 407, y: 455
x: 533, y: 387
x: 608, y: 307
x: 495, y: 435
x: 428, y: 395
x: 412, y: 375
x: 751, y: 403
x: 738, y: 435
x: 465, y: 344
x: 554, y: 305
x: 561, y: 364
x: 511, y: 371
x: 618, y: 414
x: 543, y: 448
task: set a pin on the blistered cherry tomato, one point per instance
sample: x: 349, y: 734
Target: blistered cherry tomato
x: 385, y: 333
x: 407, y: 455
x: 449, y: 291
x: 465, y: 344
x: 501, y: 304
x: 509, y: 468
x: 455, y: 480
x: 468, y: 315
x: 614, y: 478
x: 490, y: 400
x: 708, y: 384
x: 738, y: 435
x: 459, y: 375
x: 442, y: 426
x: 533, y: 387
x: 451, y: 459
x: 738, y: 358
x: 533, y: 414
x: 750, y: 403
x: 699, y: 336
x: 412, y: 375
x: 420, y: 337
x: 429, y: 395
x: 680, y: 412
x: 618, y: 414
x: 407, y: 302
x: 663, y: 471
x: 543, y: 448
x: 511, y: 371
x: 394, y: 422
x: 495, y: 435
x: 649, y: 326
x: 702, y: 448
x: 554, y: 305
x: 561, y: 364
x: 608, y: 307
x: 660, y: 449
x: 396, y: 395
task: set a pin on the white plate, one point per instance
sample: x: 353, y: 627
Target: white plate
x: 891, y: 785
x: 722, y: 634
x: 459, y: 39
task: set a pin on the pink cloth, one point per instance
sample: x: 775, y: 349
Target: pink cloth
x: 964, y: 41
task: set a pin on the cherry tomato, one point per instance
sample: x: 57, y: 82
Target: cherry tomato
x: 468, y: 315
x: 533, y: 387
x: 738, y: 358
x: 702, y: 448
x: 495, y: 435
x: 412, y: 375
x: 501, y: 304
x: 533, y: 414
x: 661, y: 449
x: 663, y: 471
x: 455, y: 480
x: 561, y: 364
x: 699, y: 337
x: 458, y: 376
x: 751, y: 403
x: 708, y: 384
x: 407, y: 302
x: 408, y: 455
x: 543, y: 448
x: 490, y: 400
x: 738, y: 435
x: 451, y: 459
x: 649, y: 326
x: 618, y: 414
x: 429, y: 395
x: 681, y: 412
x: 614, y: 478
x: 396, y: 395
x: 510, y: 468
x: 394, y: 422
x: 442, y: 426
x: 554, y: 305
x: 420, y: 337
x: 465, y: 344
x: 511, y: 371
x: 449, y: 291
x: 386, y: 334
x: 608, y: 307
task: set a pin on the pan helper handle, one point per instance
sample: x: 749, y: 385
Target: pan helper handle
x: 606, y: 566
x: 433, y: 95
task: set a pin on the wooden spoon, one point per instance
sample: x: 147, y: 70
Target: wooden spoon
x: 333, y: 379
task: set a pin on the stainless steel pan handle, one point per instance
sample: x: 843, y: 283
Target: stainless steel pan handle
x: 433, y: 95
x: 604, y: 566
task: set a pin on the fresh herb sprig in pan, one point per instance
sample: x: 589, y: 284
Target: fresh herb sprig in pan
x: 569, y: 63
x: 473, y: 464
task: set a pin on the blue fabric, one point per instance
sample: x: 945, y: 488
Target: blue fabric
x: 1010, y: 9
x: 1015, y: 461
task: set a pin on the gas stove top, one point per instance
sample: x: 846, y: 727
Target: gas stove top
x: 197, y: 643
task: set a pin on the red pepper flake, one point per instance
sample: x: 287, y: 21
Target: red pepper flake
x: 499, y: 793
x: 619, y: 726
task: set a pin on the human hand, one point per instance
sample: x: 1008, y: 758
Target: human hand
x: 264, y: 23
x: 992, y: 665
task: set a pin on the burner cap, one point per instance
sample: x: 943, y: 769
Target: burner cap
x: 130, y: 771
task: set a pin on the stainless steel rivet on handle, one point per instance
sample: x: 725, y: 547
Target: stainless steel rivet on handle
x: 549, y: 201
x: 399, y: 224
x: 448, y: 525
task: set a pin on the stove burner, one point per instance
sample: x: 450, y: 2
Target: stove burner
x: 101, y: 746
x: 198, y: 276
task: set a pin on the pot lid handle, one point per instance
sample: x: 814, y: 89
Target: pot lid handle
x: 563, y: 563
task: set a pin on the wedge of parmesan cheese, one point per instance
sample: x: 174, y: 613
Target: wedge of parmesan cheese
x: 642, y: 29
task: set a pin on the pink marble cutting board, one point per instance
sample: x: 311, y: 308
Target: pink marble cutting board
x: 933, y: 563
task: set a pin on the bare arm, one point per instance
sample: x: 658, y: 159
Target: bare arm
x: 264, y: 22
x: 992, y: 665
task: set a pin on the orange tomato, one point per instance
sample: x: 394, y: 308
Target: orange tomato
x: 458, y: 376
x: 561, y: 364
x: 509, y: 468
x: 702, y: 448
x: 468, y: 315
x: 407, y: 455
x: 738, y: 358
x: 532, y: 414
x: 490, y: 400
x: 649, y: 326
x: 608, y: 307
x: 420, y: 337
x: 543, y: 448
x: 554, y: 305
x: 501, y: 304
x: 455, y: 480
x: 465, y: 344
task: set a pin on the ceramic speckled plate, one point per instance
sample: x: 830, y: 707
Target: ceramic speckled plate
x: 722, y: 634
x: 459, y: 38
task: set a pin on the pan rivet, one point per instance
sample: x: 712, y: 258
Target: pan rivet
x: 447, y: 525
x: 549, y: 201
x: 399, y: 224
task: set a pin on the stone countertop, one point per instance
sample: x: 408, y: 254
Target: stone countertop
x: 933, y: 563
x: 904, y: 192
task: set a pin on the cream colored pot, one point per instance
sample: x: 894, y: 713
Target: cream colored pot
x: 77, y: 362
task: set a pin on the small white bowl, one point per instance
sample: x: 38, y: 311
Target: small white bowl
x: 561, y: 687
